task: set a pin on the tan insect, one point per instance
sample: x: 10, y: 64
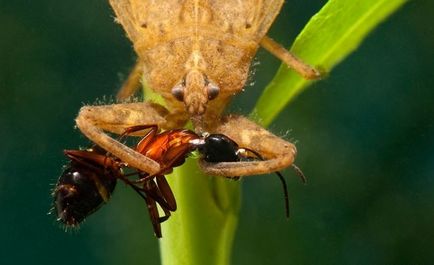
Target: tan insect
x: 196, y: 55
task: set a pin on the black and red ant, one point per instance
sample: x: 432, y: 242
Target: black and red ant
x: 91, y: 175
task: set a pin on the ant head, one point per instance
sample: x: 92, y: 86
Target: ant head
x: 219, y: 148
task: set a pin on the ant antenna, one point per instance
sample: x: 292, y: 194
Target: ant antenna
x: 282, y: 179
x: 285, y: 192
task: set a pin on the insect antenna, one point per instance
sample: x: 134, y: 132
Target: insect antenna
x: 285, y: 192
x: 282, y: 179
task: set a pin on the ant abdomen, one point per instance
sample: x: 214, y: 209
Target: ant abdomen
x: 80, y: 191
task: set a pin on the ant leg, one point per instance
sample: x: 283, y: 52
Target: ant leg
x: 94, y: 120
x: 151, y: 205
x: 276, y: 152
x: 305, y: 70
x: 160, y: 192
x: 166, y: 193
x: 153, y: 213
x: 132, y: 84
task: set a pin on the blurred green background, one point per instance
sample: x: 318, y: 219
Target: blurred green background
x: 365, y: 137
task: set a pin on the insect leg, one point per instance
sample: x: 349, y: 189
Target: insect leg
x: 155, y: 218
x: 94, y: 120
x: 146, y: 194
x: 160, y: 196
x: 132, y: 84
x: 276, y: 152
x: 305, y: 70
x: 166, y: 192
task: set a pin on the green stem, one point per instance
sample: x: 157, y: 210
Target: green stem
x: 202, y: 230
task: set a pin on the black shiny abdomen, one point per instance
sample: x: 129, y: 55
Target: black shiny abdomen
x: 76, y: 195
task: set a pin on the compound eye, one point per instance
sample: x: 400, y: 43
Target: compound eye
x: 212, y: 90
x: 178, y: 92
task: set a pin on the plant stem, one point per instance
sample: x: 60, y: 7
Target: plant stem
x: 202, y: 230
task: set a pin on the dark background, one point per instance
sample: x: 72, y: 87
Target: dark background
x: 365, y: 137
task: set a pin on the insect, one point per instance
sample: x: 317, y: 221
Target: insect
x: 196, y: 55
x: 91, y: 175
x: 89, y: 179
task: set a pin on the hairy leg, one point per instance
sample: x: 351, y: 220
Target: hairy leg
x: 289, y: 59
x: 94, y: 120
x: 276, y: 152
x: 132, y: 84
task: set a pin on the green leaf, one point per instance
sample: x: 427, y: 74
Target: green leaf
x: 329, y: 37
x: 201, y: 231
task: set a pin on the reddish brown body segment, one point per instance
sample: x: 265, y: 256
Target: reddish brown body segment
x: 168, y: 148
x: 89, y: 179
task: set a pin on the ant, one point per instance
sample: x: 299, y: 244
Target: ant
x: 91, y: 176
x: 89, y: 179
